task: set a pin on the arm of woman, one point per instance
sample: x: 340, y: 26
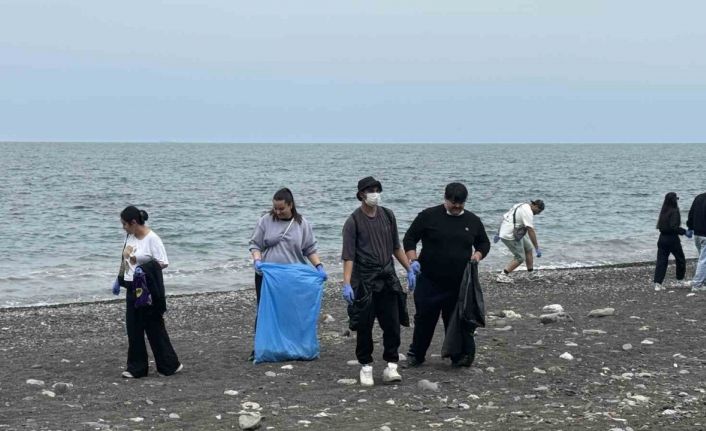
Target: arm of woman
x: 314, y: 259
x: 257, y: 241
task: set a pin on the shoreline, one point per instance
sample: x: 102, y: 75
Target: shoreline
x: 121, y: 298
x: 637, y: 368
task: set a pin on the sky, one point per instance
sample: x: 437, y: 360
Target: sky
x: 456, y: 71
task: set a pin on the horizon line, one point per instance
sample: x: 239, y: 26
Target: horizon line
x: 346, y: 142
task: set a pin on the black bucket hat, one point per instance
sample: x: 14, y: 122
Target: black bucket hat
x: 367, y: 182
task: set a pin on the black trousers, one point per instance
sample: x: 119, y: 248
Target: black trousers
x: 430, y: 300
x: 141, y: 321
x: 258, y: 289
x: 666, y: 245
x: 385, y: 308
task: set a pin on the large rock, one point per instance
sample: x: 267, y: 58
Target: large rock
x: 249, y: 421
x: 552, y: 308
x: 602, y: 312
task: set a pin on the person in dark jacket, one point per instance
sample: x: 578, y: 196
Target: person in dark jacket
x: 696, y: 223
x: 669, y: 225
x: 450, y: 236
x: 370, y: 284
x: 144, y: 255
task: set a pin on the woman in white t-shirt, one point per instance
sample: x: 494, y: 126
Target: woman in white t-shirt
x: 142, y: 246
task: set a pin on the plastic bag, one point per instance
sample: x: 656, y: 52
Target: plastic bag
x: 287, y: 317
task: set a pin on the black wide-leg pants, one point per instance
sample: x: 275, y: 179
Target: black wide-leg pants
x: 430, y: 301
x: 147, y: 321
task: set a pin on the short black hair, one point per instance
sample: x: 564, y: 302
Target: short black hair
x: 456, y: 192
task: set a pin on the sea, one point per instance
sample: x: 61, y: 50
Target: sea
x: 61, y: 237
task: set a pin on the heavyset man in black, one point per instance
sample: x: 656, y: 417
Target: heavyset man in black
x: 450, y: 236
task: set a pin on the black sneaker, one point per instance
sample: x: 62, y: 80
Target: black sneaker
x: 413, y: 361
x: 463, y: 361
x: 251, y: 358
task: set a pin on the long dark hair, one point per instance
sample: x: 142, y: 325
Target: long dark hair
x: 133, y: 213
x: 284, y: 194
x: 669, y: 207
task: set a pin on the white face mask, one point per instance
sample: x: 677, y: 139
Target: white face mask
x: 373, y: 199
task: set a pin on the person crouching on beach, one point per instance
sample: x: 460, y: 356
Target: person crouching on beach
x: 282, y: 235
x: 518, y: 234
x: 370, y: 284
x: 144, y: 257
x: 451, y: 236
x: 669, y: 225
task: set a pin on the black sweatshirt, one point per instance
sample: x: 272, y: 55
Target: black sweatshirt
x: 448, y: 243
x: 670, y: 223
x: 697, y: 215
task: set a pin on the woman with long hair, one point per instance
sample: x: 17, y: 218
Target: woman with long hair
x: 283, y: 235
x: 669, y: 225
x: 144, y: 257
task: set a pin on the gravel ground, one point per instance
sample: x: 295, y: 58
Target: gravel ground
x: 519, y: 380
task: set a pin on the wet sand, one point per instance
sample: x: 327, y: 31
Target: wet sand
x: 518, y: 381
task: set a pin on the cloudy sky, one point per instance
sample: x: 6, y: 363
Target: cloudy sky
x: 353, y: 71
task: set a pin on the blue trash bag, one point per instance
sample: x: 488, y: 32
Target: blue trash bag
x: 287, y: 317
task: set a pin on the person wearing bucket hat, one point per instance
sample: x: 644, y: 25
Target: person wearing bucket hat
x: 370, y: 284
x: 518, y: 234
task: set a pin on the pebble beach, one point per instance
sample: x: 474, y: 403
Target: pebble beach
x: 591, y: 348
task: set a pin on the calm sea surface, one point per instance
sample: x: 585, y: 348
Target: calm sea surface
x: 61, y: 238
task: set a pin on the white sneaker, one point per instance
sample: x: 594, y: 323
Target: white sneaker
x: 127, y: 375
x: 178, y: 370
x: 390, y: 374
x: 701, y: 288
x: 681, y: 284
x: 504, y: 278
x: 366, y: 375
x: 658, y: 287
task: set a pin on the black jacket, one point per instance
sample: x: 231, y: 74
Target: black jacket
x: 468, y: 314
x: 155, y: 283
x: 369, y: 277
x: 697, y: 215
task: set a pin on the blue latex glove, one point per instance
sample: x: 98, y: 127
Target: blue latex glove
x: 496, y: 238
x: 689, y: 233
x: 411, y: 280
x: 257, y: 264
x: 348, y: 294
x: 416, y: 267
x: 116, y: 287
x: 539, y: 252
x: 322, y: 271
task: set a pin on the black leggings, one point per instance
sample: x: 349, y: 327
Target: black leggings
x: 666, y: 245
